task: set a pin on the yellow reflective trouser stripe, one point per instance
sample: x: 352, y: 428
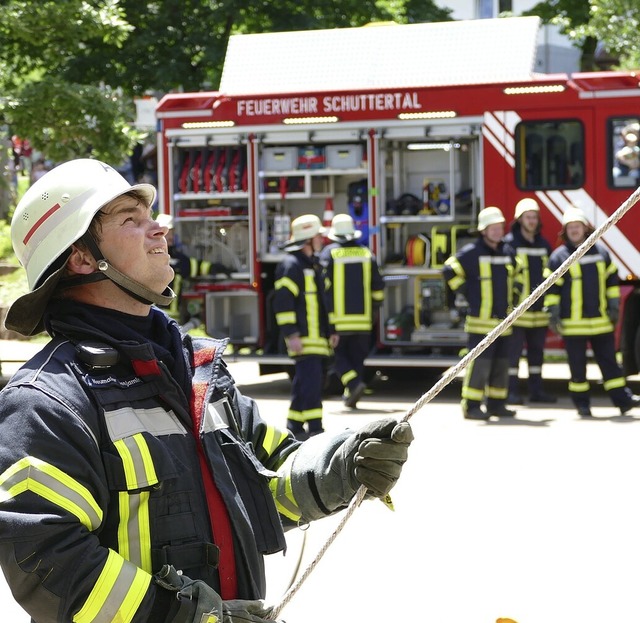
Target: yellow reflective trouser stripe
x: 286, y: 282
x: 304, y: 416
x: 348, y: 376
x: 282, y: 492
x: 52, y: 484
x: 499, y: 393
x: 614, y: 383
x: 273, y: 437
x: 134, y: 532
x: 137, y: 462
x: 579, y: 387
x: 117, y: 594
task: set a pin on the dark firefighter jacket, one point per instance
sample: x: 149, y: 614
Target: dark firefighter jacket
x: 486, y: 278
x: 299, y: 303
x: 532, y: 260
x: 584, y: 291
x: 356, y: 287
x: 101, y: 482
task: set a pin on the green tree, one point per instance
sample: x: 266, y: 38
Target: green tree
x: 611, y: 26
x: 69, y: 70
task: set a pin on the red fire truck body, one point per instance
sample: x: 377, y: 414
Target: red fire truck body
x: 413, y: 166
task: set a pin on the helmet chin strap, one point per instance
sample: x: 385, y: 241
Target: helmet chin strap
x: 133, y: 288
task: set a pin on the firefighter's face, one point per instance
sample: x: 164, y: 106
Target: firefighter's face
x: 493, y: 233
x: 529, y: 221
x: 135, y: 244
x: 576, y: 232
x: 317, y: 243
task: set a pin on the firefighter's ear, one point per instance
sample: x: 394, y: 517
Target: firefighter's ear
x: 80, y: 261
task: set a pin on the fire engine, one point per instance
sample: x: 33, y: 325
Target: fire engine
x: 412, y: 153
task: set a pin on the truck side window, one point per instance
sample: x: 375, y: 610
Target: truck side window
x: 624, y: 151
x: 549, y: 155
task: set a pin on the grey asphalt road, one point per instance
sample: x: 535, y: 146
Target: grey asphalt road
x: 534, y: 519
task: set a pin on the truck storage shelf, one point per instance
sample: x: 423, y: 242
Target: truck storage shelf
x: 208, y: 196
x: 418, y: 218
x: 312, y: 172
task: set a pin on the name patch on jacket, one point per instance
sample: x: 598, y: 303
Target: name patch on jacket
x: 106, y: 380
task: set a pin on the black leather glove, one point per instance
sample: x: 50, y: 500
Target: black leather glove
x: 555, y: 324
x: 613, y: 310
x: 195, y: 600
x: 376, y: 453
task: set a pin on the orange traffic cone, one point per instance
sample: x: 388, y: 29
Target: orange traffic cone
x: 327, y: 216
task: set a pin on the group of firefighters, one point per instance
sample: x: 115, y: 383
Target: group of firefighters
x: 326, y: 298
x: 497, y: 272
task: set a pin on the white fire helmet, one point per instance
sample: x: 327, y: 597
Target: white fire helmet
x: 573, y: 214
x: 526, y: 205
x: 489, y: 216
x: 55, y: 212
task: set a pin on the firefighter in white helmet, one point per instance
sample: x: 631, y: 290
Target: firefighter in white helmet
x: 301, y: 314
x: 584, y: 308
x: 486, y: 275
x: 525, y: 242
x: 127, y: 451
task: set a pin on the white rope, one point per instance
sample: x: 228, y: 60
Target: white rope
x: 453, y: 372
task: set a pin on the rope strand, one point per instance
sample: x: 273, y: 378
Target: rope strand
x: 453, y: 372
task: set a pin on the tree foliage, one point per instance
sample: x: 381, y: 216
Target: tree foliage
x: 69, y: 70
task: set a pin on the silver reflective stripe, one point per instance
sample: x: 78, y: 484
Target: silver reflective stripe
x: 127, y: 421
x: 142, y: 478
x: 52, y: 484
x: 218, y: 415
x: 133, y: 534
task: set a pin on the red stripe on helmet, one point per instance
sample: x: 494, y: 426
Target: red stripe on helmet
x: 39, y: 222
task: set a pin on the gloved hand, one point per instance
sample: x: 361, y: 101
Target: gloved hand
x: 613, y: 310
x: 376, y: 453
x: 555, y: 324
x: 246, y: 611
x: 195, y: 600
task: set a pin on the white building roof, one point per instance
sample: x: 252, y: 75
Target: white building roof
x: 385, y: 56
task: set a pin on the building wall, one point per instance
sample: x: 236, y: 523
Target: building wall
x: 555, y: 54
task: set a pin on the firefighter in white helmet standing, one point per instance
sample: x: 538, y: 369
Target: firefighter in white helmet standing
x: 584, y: 305
x: 526, y: 243
x: 485, y: 275
x: 127, y: 451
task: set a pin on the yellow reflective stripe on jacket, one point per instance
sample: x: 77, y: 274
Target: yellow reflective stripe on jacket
x: 273, y: 437
x: 137, y: 462
x: 312, y: 306
x: 282, y: 491
x: 344, y: 320
x: 483, y: 325
x: 289, y: 284
x: 117, y: 594
x: 460, y: 276
x: 134, y: 531
x: 486, y: 289
x: 52, y: 484
x: 288, y: 317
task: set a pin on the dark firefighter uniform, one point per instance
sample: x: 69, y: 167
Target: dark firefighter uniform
x: 300, y: 308
x: 186, y: 270
x: 486, y: 278
x: 355, y: 291
x: 583, y: 298
x: 531, y: 327
x: 138, y: 474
